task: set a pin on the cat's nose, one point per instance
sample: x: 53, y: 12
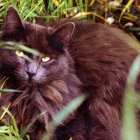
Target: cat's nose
x: 30, y: 74
x: 31, y: 70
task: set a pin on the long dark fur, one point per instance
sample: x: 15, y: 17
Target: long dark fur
x: 91, y: 58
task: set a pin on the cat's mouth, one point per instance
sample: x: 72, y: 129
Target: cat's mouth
x: 30, y: 77
x: 33, y: 79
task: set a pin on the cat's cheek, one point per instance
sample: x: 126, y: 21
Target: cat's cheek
x: 21, y: 68
x: 40, y: 76
x: 20, y: 60
x: 22, y: 63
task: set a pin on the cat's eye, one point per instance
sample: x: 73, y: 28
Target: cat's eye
x: 46, y: 59
x: 19, y: 53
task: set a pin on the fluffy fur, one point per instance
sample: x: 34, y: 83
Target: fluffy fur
x: 86, y: 57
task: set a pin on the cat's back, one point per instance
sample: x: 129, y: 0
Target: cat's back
x: 103, y: 56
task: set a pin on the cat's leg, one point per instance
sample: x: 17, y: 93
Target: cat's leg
x: 107, y: 120
x: 74, y: 129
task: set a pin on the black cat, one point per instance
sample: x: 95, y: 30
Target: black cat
x: 78, y: 57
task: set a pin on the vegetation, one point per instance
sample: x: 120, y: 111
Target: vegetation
x: 125, y: 13
x: 121, y: 13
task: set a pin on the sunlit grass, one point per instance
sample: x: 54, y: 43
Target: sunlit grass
x: 56, y: 9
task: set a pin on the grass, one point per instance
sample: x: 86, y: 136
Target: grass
x: 11, y: 132
x: 56, y: 9
x: 96, y: 11
x: 131, y: 102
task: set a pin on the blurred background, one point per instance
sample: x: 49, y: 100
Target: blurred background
x: 124, y: 14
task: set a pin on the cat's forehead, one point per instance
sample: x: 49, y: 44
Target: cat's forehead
x: 37, y: 37
x: 35, y: 29
x: 35, y: 34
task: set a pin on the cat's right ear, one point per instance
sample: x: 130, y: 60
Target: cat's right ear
x: 13, y: 23
x: 60, y: 37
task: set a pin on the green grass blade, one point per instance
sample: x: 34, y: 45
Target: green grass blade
x: 91, y: 3
x: 28, y: 58
x: 125, y: 8
x: 17, y: 46
x: 13, y: 120
x: 10, y: 90
x: 134, y: 28
x: 134, y: 72
x: 22, y: 6
x: 33, y: 10
x: 81, y: 5
x: 70, y: 3
x: 86, y: 5
x: 67, y: 110
x: 129, y: 124
x: 2, y: 4
x: 3, y: 129
x: 50, y: 6
x: 58, y: 8
x: 28, y: 127
x: 3, y: 84
x: 3, y: 114
x: 64, y: 113
x: 24, y: 56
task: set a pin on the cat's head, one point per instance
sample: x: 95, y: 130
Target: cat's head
x: 54, y: 65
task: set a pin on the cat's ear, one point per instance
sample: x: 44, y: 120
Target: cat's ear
x: 61, y: 36
x: 13, y: 23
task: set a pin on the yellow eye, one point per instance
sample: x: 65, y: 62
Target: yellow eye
x: 46, y: 59
x: 19, y: 53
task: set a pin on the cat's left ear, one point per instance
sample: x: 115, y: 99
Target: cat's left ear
x: 61, y: 36
x: 13, y: 24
